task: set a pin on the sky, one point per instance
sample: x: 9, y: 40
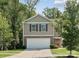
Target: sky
x: 42, y: 4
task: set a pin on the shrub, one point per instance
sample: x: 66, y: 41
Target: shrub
x: 10, y: 47
x: 19, y: 46
x: 52, y: 46
x: 77, y: 48
x: 23, y: 47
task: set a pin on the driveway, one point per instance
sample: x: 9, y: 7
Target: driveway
x: 42, y: 53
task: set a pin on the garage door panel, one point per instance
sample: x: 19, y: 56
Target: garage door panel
x: 34, y: 43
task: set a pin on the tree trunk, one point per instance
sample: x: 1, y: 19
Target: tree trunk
x: 1, y: 39
x: 17, y: 37
x: 70, y: 52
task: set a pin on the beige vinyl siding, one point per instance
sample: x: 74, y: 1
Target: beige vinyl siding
x: 27, y: 31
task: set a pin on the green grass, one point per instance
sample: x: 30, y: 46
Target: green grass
x: 7, y: 53
x: 63, y: 51
x: 4, y: 55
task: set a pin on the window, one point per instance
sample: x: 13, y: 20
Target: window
x: 43, y: 27
x: 33, y: 27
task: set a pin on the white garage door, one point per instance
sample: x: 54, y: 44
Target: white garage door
x: 35, y: 43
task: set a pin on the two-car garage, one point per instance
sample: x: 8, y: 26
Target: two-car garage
x: 38, y: 43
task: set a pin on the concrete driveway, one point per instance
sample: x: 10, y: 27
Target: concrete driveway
x: 42, y: 53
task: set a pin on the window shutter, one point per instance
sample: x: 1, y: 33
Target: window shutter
x: 46, y: 27
x: 30, y: 27
x: 36, y: 27
x: 39, y: 27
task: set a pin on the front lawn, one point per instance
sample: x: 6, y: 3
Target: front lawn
x: 7, y: 53
x: 63, y: 51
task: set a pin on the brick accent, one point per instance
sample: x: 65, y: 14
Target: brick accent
x: 58, y: 42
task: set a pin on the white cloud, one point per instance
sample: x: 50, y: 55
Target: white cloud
x: 59, y: 1
x: 78, y: 1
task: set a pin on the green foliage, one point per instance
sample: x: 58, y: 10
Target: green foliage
x: 5, y: 34
x: 52, y: 46
x: 4, y: 27
x: 31, y: 7
x: 14, y: 12
x: 70, y: 31
x: 58, y: 23
x: 52, y: 13
x: 56, y: 16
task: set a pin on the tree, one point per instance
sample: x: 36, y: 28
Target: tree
x: 23, y: 15
x: 56, y: 16
x: 58, y: 23
x: 13, y: 9
x: 70, y: 31
x: 10, y: 9
x: 15, y: 13
x: 5, y: 34
x: 31, y: 7
x: 52, y: 13
x: 25, y: 11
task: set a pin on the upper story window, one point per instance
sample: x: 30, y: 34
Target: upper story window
x: 33, y: 27
x: 40, y: 27
x: 43, y: 27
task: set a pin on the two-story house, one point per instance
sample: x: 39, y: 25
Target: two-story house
x: 38, y: 32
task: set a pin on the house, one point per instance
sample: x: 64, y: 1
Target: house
x: 38, y: 32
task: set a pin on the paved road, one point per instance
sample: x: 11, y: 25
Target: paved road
x: 42, y: 53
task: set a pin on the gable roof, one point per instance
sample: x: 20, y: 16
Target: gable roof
x: 37, y: 16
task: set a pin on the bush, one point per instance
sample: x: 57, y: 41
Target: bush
x: 52, y: 46
x: 10, y: 47
x: 19, y: 46
x: 77, y: 48
x: 23, y: 47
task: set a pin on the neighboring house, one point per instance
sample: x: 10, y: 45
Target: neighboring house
x: 38, y: 32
